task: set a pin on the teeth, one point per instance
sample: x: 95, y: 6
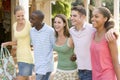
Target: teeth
x: 93, y: 22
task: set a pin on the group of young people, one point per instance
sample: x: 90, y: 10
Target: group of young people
x: 97, y: 54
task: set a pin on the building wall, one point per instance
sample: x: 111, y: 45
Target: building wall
x: 13, y: 4
x: 45, y: 7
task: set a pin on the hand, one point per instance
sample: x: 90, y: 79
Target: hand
x: 111, y: 35
x: 73, y: 57
x: 4, y: 44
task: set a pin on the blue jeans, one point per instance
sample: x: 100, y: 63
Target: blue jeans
x: 25, y: 69
x: 85, y: 74
x: 43, y: 77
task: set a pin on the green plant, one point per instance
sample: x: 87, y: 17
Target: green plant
x: 61, y: 7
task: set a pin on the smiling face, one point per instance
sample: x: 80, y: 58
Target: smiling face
x: 20, y: 18
x: 61, y: 25
x: 35, y: 21
x: 58, y: 24
x: 98, y: 19
x: 76, y: 18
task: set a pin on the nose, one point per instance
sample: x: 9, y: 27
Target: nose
x: 30, y: 20
x: 55, y: 24
x: 71, y: 17
x: 92, y: 18
x: 21, y: 18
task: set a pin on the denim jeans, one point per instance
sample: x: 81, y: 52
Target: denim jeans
x: 85, y: 74
x: 25, y: 69
x: 43, y: 77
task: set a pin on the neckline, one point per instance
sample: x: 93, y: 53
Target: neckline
x: 62, y: 44
x: 20, y: 30
x: 102, y: 38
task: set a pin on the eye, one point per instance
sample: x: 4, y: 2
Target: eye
x: 96, y: 16
x: 18, y: 16
x: 54, y: 21
x: 92, y: 16
x: 22, y: 15
x: 59, y: 22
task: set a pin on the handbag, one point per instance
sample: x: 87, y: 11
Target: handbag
x: 7, y: 65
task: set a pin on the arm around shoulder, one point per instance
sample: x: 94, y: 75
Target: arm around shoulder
x: 112, y: 34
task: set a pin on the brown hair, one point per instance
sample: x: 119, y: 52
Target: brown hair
x: 80, y: 9
x: 66, y: 28
x: 106, y: 13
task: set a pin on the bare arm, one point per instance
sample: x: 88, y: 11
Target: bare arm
x: 114, y: 54
x: 11, y: 43
x: 71, y: 44
x: 73, y: 57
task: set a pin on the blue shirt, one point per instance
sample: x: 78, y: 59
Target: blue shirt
x: 43, y: 41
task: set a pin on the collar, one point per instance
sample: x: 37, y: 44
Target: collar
x: 42, y: 29
x: 83, y: 27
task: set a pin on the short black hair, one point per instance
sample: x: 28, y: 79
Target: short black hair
x: 39, y: 14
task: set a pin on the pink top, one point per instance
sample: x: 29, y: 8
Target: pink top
x: 102, y: 67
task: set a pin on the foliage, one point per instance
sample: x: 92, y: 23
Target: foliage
x: 92, y: 2
x: 109, y: 4
x: 61, y: 7
x: 78, y: 2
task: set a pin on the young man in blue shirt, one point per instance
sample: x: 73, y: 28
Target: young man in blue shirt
x: 43, y: 38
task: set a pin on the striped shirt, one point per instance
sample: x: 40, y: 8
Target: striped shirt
x: 43, y: 41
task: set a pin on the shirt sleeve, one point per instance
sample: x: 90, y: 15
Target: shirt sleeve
x: 52, y: 37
